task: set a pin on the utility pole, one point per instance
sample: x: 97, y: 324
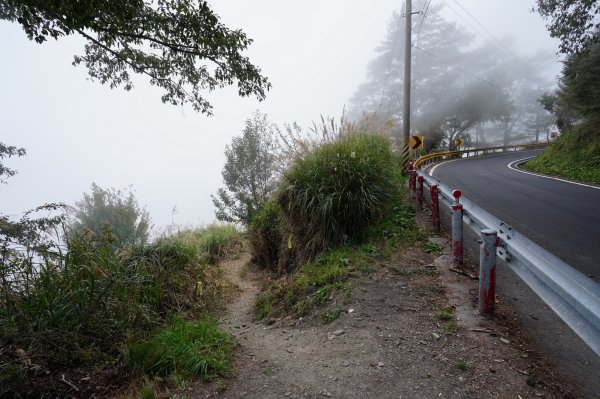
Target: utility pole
x: 407, y: 79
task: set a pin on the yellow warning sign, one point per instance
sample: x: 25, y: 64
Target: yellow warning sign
x: 458, y: 142
x: 416, y: 142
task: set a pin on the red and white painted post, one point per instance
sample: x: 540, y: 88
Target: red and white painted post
x: 435, y: 207
x: 420, y: 179
x: 411, y: 169
x: 457, y: 229
x: 487, y: 271
x: 413, y: 181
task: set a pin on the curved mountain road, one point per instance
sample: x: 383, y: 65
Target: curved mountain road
x: 561, y: 217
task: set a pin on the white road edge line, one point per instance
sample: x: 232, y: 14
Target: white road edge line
x: 441, y: 163
x: 512, y: 167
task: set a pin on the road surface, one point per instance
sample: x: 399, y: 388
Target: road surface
x: 561, y: 217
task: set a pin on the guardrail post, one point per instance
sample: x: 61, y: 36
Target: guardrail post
x: 410, y: 175
x: 487, y: 271
x: 457, y: 230
x: 435, y: 207
x: 413, y: 181
x: 420, y: 179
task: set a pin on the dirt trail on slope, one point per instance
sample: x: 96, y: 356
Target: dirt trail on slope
x: 388, y: 344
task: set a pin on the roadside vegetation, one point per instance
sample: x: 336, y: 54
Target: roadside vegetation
x: 575, y: 105
x: 336, y: 208
x: 329, y: 276
x: 96, y: 313
x: 570, y: 158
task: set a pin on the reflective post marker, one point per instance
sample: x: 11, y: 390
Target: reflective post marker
x: 435, y: 207
x: 457, y: 230
x: 487, y: 271
x: 420, y: 179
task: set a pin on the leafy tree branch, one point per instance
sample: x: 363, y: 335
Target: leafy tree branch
x: 181, y: 45
x: 574, y: 22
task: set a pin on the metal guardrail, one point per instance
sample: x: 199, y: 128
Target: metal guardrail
x: 570, y: 294
x: 437, y: 156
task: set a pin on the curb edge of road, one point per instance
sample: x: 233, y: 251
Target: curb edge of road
x: 516, y: 166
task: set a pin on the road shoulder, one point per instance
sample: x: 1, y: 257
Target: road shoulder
x: 409, y: 329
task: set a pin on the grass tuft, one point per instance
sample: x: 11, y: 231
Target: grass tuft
x: 186, y: 347
x: 444, y: 314
x: 451, y: 327
x: 432, y: 248
x: 331, y: 315
x: 462, y: 366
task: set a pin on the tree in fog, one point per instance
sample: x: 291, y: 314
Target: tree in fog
x: 580, y: 83
x: 439, y: 78
x: 536, y: 122
x: 574, y: 22
x: 459, y: 90
x: 249, y: 172
x: 178, y: 45
x: 8, y: 151
x: 113, y: 212
x: 432, y: 78
x: 564, y: 113
x: 577, y: 101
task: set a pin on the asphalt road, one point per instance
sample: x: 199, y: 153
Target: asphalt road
x: 561, y: 217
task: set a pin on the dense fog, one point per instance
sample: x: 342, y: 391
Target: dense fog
x: 478, y: 69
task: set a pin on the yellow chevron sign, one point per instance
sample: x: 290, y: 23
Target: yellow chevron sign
x: 458, y: 142
x: 416, y: 142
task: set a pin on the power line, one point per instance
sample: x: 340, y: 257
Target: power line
x: 492, y: 36
x: 489, y: 82
x: 389, y: 107
x: 497, y: 43
x: 423, y: 19
x: 384, y: 88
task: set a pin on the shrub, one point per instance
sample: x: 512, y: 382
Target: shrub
x: 332, y: 194
x: 266, y: 236
x: 249, y: 171
x: 114, y: 211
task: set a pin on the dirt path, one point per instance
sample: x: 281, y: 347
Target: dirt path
x: 239, y: 312
x: 388, y: 344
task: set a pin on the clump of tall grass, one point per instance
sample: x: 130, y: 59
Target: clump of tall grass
x: 295, y: 143
x: 214, y: 242
x: 333, y: 193
x: 185, y: 347
x: 218, y: 242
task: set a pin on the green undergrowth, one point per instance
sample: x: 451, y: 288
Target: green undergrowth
x: 328, y: 198
x: 447, y: 314
x: 570, y: 157
x: 79, y: 308
x: 329, y: 277
x: 186, y: 348
x: 331, y: 315
x: 332, y: 195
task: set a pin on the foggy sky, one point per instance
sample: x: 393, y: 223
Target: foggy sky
x: 76, y: 132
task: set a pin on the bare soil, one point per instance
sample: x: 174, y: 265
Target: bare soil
x: 388, y: 343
